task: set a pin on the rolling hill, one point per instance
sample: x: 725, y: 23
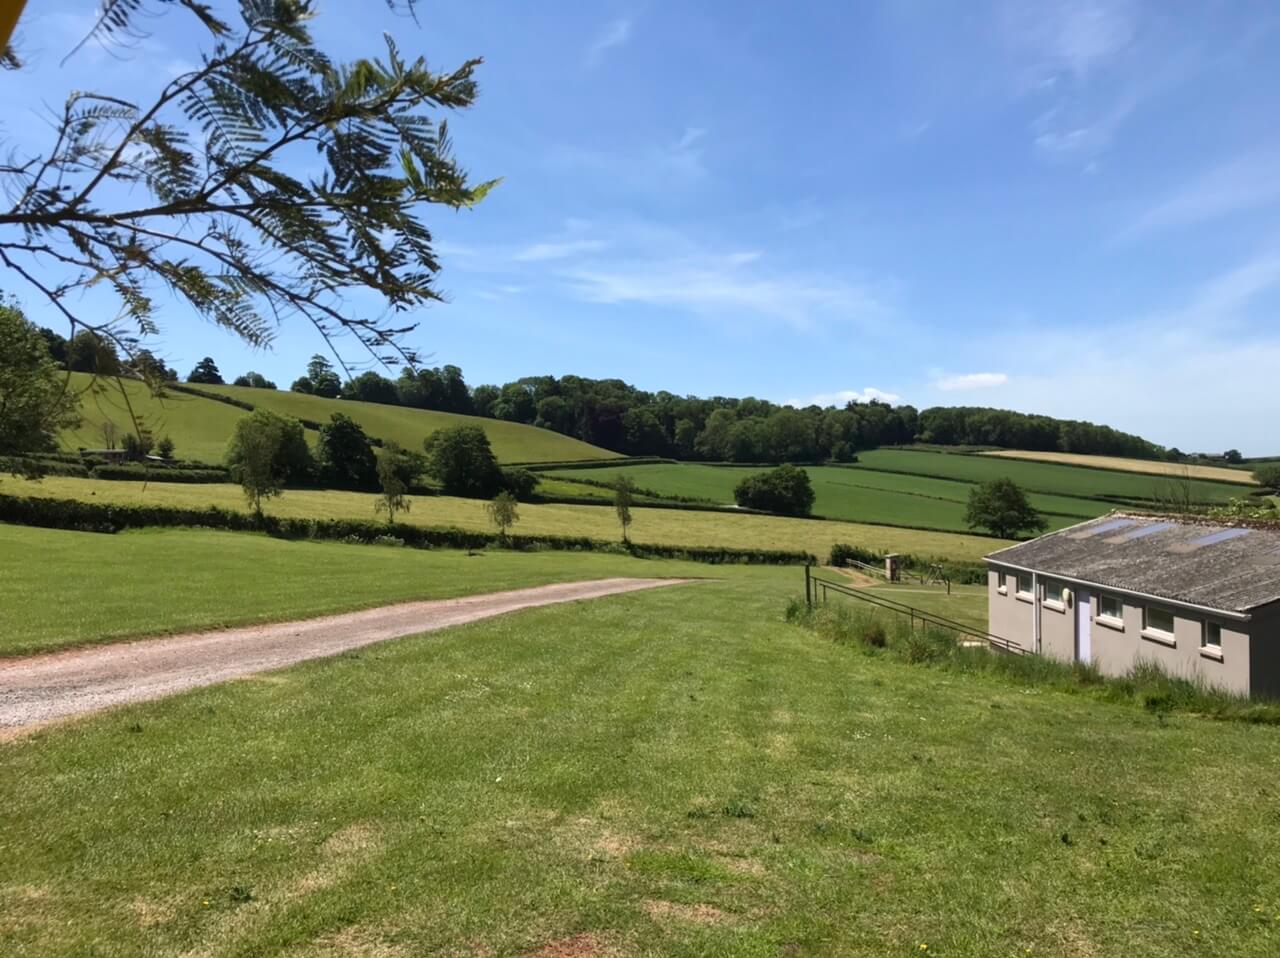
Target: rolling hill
x: 200, y: 426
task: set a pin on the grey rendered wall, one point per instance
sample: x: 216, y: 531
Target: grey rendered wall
x: 1007, y: 616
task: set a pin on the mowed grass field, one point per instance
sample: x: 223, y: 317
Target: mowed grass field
x: 121, y: 586
x: 200, y: 427
x: 1148, y: 466
x: 859, y: 495
x: 675, y: 773
x: 651, y: 525
x: 511, y: 441
x: 1053, y: 478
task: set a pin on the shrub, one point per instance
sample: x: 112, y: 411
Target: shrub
x: 520, y: 482
x: 1268, y: 476
x: 785, y: 491
x: 164, y: 448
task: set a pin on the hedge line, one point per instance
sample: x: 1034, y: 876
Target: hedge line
x: 100, y: 517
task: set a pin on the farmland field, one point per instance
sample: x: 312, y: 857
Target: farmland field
x: 658, y: 526
x: 1054, y: 478
x: 1148, y: 466
x: 675, y: 773
x: 200, y: 427
x: 859, y: 495
x: 512, y: 442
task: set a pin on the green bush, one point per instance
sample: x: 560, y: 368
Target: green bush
x: 521, y: 483
x: 785, y: 491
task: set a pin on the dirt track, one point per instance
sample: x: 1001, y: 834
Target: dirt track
x: 43, y: 688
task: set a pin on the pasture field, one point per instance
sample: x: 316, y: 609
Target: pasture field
x: 858, y: 495
x: 674, y: 773
x: 199, y: 427
x: 1122, y: 464
x: 511, y: 441
x: 1047, y: 477
x: 111, y: 587
x: 657, y: 526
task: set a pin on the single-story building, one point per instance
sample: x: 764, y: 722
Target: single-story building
x: 1200, y: 599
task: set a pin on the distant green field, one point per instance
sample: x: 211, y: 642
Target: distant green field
x: 656, y: 526
x: 512, y: 441
x: 1044, y: 477
x: 200, y: 427
x: 858, y: 495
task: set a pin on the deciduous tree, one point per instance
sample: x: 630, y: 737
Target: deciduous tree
x: 504, y: 512
x: 396, y: 470
x: 1001, y: 507
x: 36, y: 401
x: 624, y: 492
x: 345, y: 455
x: 462, y: 461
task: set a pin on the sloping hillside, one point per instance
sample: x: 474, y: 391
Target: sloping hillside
x: 200, y: 426
x: 512, y: 442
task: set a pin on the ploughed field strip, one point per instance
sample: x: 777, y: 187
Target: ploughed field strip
x: 45, y: 688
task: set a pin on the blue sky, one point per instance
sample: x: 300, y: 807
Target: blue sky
x: 1068, y: 208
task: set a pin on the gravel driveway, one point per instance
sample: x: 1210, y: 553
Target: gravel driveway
x: 43, y: 688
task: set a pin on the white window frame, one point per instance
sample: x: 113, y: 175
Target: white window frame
x: 1111, y: 621
x: 1060, y: 603
x: 1025, y: 593
x: 1210, y: 650
x: 1156, y: 634
x: 1002, y: 583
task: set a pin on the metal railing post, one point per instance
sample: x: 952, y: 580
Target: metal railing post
x: 808, y: 598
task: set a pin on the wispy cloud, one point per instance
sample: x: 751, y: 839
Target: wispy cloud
x: 969, y: 381
x: 564, y: 249
x: 845, y: 396
x: 1239, y: 184
x: 615, y: 34
x: 652, y: 167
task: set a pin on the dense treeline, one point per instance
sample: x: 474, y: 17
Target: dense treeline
x: 616, y: 415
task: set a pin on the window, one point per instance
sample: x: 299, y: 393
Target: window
x: 1024, y: 584
x: 1002, y: 584
x: 1053, y: 594
x: 1158, y: 621
x: 1211, y: 637
x: 1110, y: 607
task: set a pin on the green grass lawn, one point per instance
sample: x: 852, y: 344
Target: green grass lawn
x: 676, y: 773
x: 1053, y: 478
x: 858, y: 495
x: 512, y: 441
x: 121, y: 586
x: 656, y: 526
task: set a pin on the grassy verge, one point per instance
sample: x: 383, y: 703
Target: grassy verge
x: 651, y: 526
x: 95, y: 588
x: 876, y: 632
x: 677, y: 773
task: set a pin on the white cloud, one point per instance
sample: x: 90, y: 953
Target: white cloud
x: 968, y: 381
x: 843, y: 397
x: 720, y: 284
x: 651, y: 167
x: 540, y: 252
x: 1243, y: 183
x: 615, y: 34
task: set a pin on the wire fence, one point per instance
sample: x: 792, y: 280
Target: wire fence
x: 817, y: 590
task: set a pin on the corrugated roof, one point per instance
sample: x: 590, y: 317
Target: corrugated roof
x: 1218, y: 566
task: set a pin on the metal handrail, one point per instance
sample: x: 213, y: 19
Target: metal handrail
x: 814, y: 586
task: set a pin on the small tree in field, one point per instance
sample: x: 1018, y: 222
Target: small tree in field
x: 504, y: 512
x: 395, y: 472
x: 1268, y: 476
x: 254, y: 455
x: 624, y: 491
x: 1001, y: 507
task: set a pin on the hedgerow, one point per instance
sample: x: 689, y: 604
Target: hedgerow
x: 101, y: 517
